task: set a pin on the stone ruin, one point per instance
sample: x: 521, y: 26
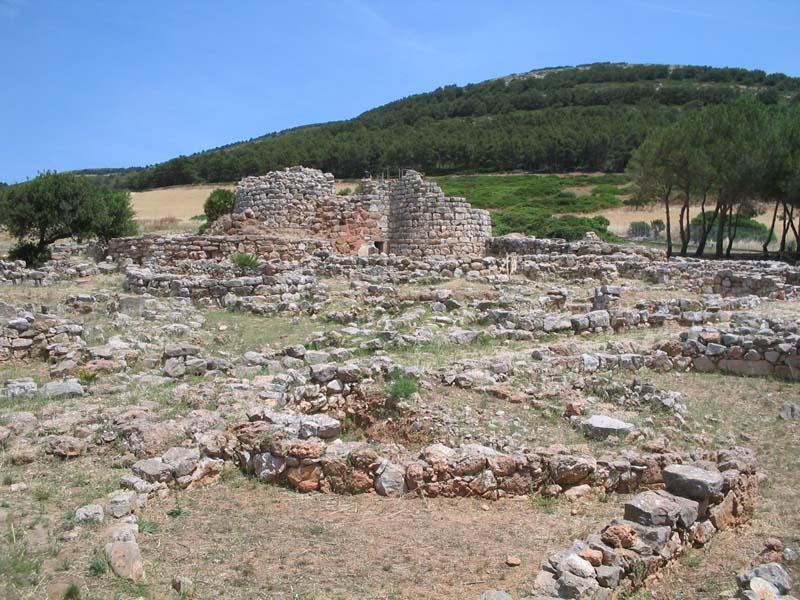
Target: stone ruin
x: 296, y: 213
x: 407, y: 217
x: 547, y: 320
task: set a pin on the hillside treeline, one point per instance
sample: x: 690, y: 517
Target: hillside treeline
x: 583, y: 118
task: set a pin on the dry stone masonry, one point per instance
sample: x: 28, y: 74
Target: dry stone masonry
x: 294, y: 213
x: 423, y: 222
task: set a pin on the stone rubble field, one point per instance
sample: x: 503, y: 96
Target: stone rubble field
x: 552, y: 420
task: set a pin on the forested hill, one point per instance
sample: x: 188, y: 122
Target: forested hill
x: 562, y: 119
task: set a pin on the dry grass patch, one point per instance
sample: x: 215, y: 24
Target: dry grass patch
x: 246, y: 540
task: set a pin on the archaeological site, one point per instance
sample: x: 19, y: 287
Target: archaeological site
x: 368, y: 395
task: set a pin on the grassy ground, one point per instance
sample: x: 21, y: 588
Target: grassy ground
x: 571, y: 193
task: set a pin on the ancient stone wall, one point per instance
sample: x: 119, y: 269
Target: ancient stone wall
x: 285, y: 199
x: 423, y: 221
x: 657, y: 527
x: 26, y: 335
x: 305, y: 200
x: 166, y: 249
x: 15, y: 271
x: 412, y: 215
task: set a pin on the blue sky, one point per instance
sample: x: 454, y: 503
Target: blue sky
x: 99, y: 83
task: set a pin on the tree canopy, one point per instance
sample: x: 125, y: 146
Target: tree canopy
x: 54, y: 206
x: 728, y: 156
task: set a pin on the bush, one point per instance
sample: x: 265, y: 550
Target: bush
x: 113, y: 217
x: 30, y: 253
x: 97, y: 565
x: 345, y: 191
x: 402, y: 387
x: 530, y: 221
x: 658, y: 226
x: 245, y: 260
x: 219, y: 202
x: 606, y: 189
x: 639, y: 229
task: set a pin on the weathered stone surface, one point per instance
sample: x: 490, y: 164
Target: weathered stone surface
x: 183, y: 585
x: 760, y: 589
x: 153, y: 470
x: 577, y: 566
x: 305, y: 478
x: 89, y: 513
x: 652, y: 509
x: 268, y: 467
x: 182, y: 461
x: 573, y: 586
x: 609, y: 576
x: 125, y: 559
x: 67, y: 388
x: 692, y: 482
x: 495, y: 595
x: 391, y: 481
x: 569, y: 469
x: 737, y: 458
x: 121, y: 504
x: 619, y: 535
x: 66, y: 446
x: 601, y: 426
x: 323, y: 373
x: 320, y: 425
x: 181, y: 350
x: 14, y: 388
x: 789, y: 411
x: 774, y: 573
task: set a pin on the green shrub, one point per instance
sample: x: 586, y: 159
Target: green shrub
x: 113, y: 217
x: 402, y: 387
x: 219, y: 202
x: 97, y: 565
x: 530, y: 221
x: 639, y: 229
x: 345, y: 191
x: 606, y: 189
x: 658, y: 227
x: 86, y: 377
x: 30, y: 253
x: 245, y: 260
